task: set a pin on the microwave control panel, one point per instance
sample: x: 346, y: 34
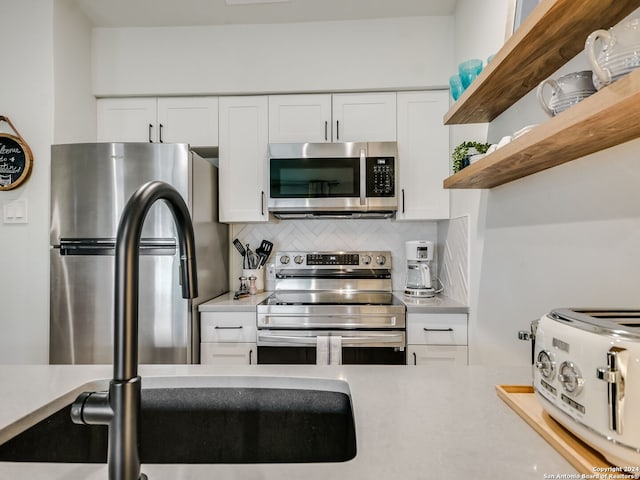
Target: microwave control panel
x: 380, y: 177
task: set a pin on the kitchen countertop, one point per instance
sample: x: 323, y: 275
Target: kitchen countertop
x: 437, y: 304
x: 411, y: 422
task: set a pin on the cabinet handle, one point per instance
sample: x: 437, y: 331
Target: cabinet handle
x: 218, y: 327
x: 262, y: 203
x: 150, y: 128
x: 438, y: 329
x: 326, y: 130
x: 250, y: 355
x: 403, y: 200
x: 160, y: 134
x: 337, y: 129
x: 415, y: 358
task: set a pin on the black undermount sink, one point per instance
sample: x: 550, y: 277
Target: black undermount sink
x: 236, y: 422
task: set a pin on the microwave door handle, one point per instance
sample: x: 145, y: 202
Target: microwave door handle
x: 363, y: 177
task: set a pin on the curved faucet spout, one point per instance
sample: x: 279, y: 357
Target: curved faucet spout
x: 120, y: 407
x: 125, y: 361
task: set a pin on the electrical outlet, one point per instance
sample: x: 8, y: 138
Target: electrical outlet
x: 15, y: 212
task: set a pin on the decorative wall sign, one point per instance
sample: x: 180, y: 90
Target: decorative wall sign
x: 15, y: 158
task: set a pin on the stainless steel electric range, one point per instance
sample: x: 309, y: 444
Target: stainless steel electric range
x: 332, y: 308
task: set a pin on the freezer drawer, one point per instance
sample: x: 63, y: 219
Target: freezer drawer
x: 82, y: 306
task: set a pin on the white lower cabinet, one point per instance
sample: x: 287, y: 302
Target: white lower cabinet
x: 437, y: 338
x: 228, y: 338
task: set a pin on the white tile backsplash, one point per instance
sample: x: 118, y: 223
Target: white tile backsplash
x: 453, y: 252
x: 327, y: 235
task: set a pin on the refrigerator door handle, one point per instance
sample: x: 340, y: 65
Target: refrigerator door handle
x: 107, y: 246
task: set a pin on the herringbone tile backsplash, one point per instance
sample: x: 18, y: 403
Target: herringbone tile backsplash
x: 328, y: 235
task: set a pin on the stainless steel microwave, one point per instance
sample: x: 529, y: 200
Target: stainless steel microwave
x: 308, y: 180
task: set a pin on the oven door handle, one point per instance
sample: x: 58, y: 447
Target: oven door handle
x: 347, y: 340
x: 288, y: 338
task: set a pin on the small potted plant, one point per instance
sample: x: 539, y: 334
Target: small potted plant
x: 464, y: 151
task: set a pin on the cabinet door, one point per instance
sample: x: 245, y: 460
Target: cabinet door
x: 364, y: 117
x: 436, y: 355
x: 437, y: 328
x: 243, y: 159
x: 126, y: 120
x: 192, y: 120
x: 299, y: 118
x: 423, y: 153
x: 228, y: 353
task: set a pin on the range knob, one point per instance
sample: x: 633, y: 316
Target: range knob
x: 366, y: 260
x: 381, y: 259
x: 570, y: 378
x: 298, y: 259
x: 284, y: 259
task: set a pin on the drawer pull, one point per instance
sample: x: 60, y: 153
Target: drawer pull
x: 438, y: 329
x: 217, y: 327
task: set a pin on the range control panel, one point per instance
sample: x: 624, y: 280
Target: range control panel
x: 364, y: 259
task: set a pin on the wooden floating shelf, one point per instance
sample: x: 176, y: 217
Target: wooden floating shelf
x: 607, y: 118
x: 550, y: 36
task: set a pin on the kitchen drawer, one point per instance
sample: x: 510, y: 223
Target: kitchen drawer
x: 437, y: 355
x: 219, y: 353
x: 437, y: 329
x: 228, y: 327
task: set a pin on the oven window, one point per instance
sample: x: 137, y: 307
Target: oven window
x: 314, y: 177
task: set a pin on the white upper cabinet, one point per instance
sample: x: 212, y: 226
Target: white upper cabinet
x: 192, y: 120
x: 423, y: 153
x: 126, y: 119
x: 243, y: 159
x: 364, y: 117
x: 299, y: 118
x: 358, y: 117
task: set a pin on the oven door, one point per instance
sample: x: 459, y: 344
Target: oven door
x: 356, y: 347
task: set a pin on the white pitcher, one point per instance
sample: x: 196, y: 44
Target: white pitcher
x: 566, y: 91
x: 619, y: 53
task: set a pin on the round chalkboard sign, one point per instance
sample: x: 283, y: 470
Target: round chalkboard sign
x: 15, y: 161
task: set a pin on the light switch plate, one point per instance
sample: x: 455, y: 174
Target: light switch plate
x: 15, y: 212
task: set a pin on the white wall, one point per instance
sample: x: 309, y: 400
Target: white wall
x: 323, y: 56
x: 75, y: 104
x: 47, y: 96
x: 565, y: 237
x: 26, y: 97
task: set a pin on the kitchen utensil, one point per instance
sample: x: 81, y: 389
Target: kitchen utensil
x: 242, y: 251
x: 252, y: 261
x: 619, y: 52
x: 263, y: 251
x: 469, y: 70
x: 566, y: 91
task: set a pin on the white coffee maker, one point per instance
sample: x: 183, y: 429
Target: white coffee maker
x: 418, y: 280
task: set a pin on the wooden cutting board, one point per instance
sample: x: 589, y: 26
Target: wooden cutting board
x: 523, y: 401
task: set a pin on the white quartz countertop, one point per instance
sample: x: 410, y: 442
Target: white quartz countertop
x: 436, y: 304
x: 411, y: 423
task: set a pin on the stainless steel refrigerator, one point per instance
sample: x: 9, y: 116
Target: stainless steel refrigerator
x: 90, y: 185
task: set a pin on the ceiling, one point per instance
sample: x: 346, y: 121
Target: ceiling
x: 160, y: 13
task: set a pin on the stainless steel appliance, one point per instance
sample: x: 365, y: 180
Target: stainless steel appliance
x: 419, y: 257
x: 332, y: 307
x: 90, y: 185
x: 587, y: 377
x: 333, y: 179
